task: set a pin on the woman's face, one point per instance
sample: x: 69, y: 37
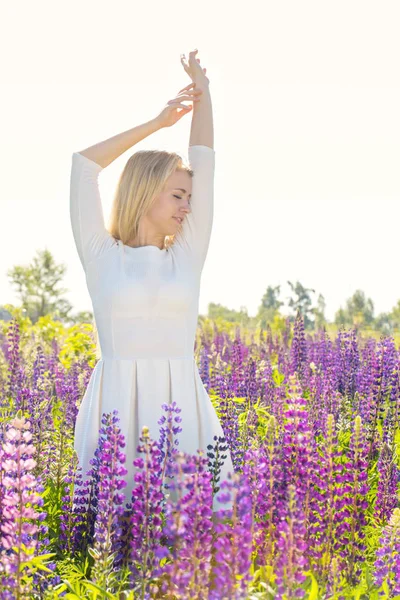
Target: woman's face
x: 174, y: 201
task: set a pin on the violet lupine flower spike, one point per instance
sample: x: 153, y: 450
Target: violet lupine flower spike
x: 188, y: 530
x: 298, y: 350
x: 387, y: 563
x: 291, y: 561
x: 110, y: 501
x: 166, y: 437
x: 144, y: 534
x: 233, y: 542
x: 351, y: 508
x: 327, y: 481
x: 389, y: 477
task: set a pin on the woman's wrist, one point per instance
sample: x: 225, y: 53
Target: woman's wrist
x: 202, y: 83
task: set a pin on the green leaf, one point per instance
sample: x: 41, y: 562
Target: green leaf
x: 95, y: 588
x: 313, y: 592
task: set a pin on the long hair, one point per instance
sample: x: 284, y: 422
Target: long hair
x: 142, y: 180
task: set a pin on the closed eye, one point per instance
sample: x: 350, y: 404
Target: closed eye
x: 180, y: 197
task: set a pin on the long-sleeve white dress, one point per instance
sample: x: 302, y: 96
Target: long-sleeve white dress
x: 145, y: 304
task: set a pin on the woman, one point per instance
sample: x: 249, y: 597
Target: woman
x: 145, y: 291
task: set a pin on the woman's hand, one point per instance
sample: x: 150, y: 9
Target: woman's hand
x: 192, y: 67
x: 170, y: 115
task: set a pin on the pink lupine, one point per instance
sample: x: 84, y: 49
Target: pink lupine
x: 19, y: 517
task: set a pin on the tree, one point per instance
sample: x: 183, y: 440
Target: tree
x: 319, y: 312
x: 359, y: 311
x: 37, y: 287
x: 389, y: 323
x: 270, y: 298
x: 216, y: 311
x: 301, y: 302
x: 269, y: 307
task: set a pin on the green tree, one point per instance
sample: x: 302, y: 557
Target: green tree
x: 319, y: 312
x: 269, y: 307
x: 216, y: 311
x: 36, y: 285
x: 359, y: 311
x: 301, y: 301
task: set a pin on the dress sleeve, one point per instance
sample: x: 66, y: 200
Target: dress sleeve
x: 86, y: 212
x: 194, y: 235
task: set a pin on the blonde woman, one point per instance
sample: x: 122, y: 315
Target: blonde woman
x: 143, y: 275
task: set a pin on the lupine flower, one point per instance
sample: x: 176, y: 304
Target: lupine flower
x: 110, y: 501
x: 16, y: 374
x: 85, y: 503
x: 291, y: 561
x: 387, y: 563
x: 233, y: 542
x: 217, y: 457
x: 297, y: 448
x: 167, y: 441
x: 298, y: 350
x: 144, y: 531
x: 230, y: 427
x: 19, y: 517
x: 351, y: 506
x: 327, y: 485
x: 188, y: 530
x: 389, y: 478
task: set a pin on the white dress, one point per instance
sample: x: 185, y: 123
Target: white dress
x: 145, y: 304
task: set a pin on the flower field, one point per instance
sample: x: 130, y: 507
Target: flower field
x: 312, y: 422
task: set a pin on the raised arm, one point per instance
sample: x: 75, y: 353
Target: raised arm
x: 195, y: 233
x: 86, y: 212
x: 91, y: 237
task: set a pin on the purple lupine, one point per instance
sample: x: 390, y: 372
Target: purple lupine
x: 250, y: 381
x: 387, y: 563
x: 19, y: 518
x: 188, y: 530
x: 144, y: 530
x: 76, y: 531
x: 390, y: 387
x: 335, y: 580
x: 389, y: 478
x: 110, y: 500
x: 230, y: 426
x: 326, y: 481
x: 297, y: 449
x: 260, y: 478
x: 291, y: 559
x: 167, y: 441
x: 167, y: 449
x: 71, y: 514
x: 377, y: 400
x: 85, y: 503
x: 264, y: 472
x: 298, y: 349
x: 204, y: 369
x: 16, y: 376
x: 233, y: 541
x: 351, y: 506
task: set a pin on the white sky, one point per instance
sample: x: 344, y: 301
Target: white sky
x: 306, y: 99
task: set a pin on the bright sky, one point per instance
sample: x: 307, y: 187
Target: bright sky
x: 306, y: 99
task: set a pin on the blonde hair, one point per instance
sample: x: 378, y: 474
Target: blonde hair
x: 142, y: 180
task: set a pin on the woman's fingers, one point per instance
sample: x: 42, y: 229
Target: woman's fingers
x: 189, y: 93
x: 176, y: 104
x: 187, y: 87
x: 181, y: 98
